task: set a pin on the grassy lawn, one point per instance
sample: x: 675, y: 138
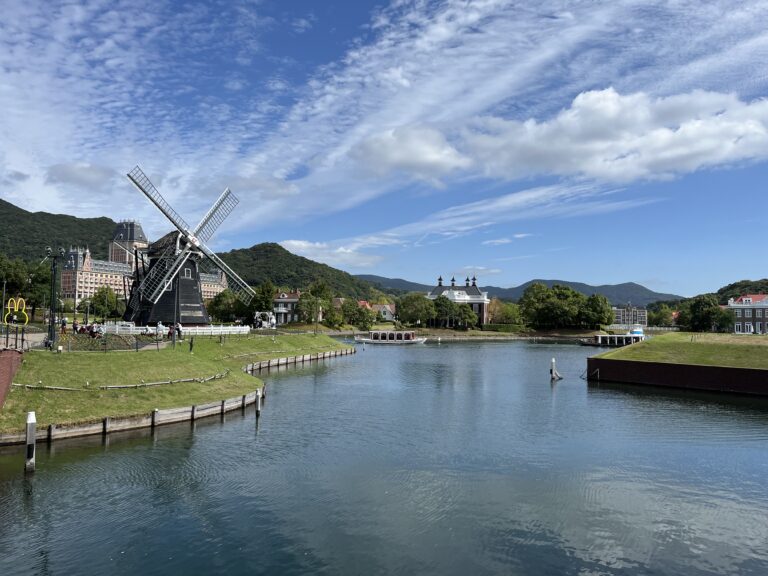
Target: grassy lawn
x: 75, y: 369
x: 740, y: 351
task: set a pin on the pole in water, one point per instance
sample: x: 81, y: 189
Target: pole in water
x: 553, y: 373
x: 29, y: 465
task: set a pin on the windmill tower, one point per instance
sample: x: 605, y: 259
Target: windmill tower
x: 168, y: 288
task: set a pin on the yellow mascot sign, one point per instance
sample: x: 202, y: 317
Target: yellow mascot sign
x: 16, y: 311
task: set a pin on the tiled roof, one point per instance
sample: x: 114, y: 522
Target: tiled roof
x: 470, y: 290
x: 755, y: 298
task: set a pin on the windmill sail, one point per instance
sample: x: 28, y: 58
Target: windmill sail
x: 153, y: 296
x: 236, y: 284
x: 216, y: 215
x: 141, y: 181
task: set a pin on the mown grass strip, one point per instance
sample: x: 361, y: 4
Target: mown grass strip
x: 738, y: 351
x: 90, y: 370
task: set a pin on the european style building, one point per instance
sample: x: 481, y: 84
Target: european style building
x: 630, y: 315
x: 751, y: 311
x: 467, y: 294
x: 82, y: 276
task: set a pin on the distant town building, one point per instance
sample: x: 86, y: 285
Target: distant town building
x: 751, y: 311
x: 467, y: 294
x: 82, y: 276
x: 387, y: 311
x: 286, y: 307
x: 630, y: 315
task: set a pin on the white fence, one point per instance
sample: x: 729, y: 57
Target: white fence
x: 211, y: 330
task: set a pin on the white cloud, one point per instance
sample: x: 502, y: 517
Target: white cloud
x: 420, y: 151
x: 337, y: 256
x: 432, y: 92
x: 621, y: 138
x: 301, y: 25
x: 461, y: 220
x: 502, y: 241
x: 474, y: 271
x: 85, y: 176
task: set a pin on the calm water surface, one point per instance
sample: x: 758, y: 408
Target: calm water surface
x: 438, y: 459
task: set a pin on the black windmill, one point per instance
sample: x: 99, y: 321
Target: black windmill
x: 169, y: 289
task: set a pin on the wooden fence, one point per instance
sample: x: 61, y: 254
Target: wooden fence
x: 154, y: 418
x: 256, y: 367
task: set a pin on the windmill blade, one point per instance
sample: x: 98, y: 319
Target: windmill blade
x: 140, y: 180
x: 153, y: 277
x: 216, y: 215
x: 157, y: 285
x: 243, y: 292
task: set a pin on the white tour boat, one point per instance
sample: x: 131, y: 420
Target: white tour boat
x: 390, y: 337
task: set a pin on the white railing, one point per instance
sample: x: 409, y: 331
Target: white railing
x: 211, y: 330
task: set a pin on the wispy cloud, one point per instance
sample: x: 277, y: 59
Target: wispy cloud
x: 496, y: 242
x: 562, y: 201
x: 441, y: 94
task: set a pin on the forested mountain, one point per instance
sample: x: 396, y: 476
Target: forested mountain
x: 270, y: 261
x: 742, y: 287
x: 617, y: 294
x: 396, y: 286
x: 26, y: 234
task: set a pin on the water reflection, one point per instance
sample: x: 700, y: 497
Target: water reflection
x: 449, y: 459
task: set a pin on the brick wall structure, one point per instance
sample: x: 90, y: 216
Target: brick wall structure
x: 10, y: 360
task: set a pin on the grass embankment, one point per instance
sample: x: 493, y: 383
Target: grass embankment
x: 737, y: 351
x: 209, y: 357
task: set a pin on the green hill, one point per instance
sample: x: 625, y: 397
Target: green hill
x: 270, y: 261
x: 617, y: 294
x: 26, y: 234
x: 742, y: 287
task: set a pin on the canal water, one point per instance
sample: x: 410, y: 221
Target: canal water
x: 457, y: 458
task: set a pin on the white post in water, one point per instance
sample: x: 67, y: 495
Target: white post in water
x: 258, y: 402
x: 554, y: 374
x: 29, y: 466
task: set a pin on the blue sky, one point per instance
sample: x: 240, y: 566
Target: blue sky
x: 600, y: 142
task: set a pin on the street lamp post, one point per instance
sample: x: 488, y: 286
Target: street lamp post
x: 54, y: 301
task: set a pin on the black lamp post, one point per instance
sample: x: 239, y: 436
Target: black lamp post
x: 54, y: 301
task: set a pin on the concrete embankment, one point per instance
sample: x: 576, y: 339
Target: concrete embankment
x: 682, y: 376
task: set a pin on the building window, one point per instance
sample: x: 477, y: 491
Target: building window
x: 187, y: 273
x: 738, y: 315
x: 748, y: 327
x: 759, y: 312
x: 738, y: 327
x: 748, y: 313
x: 759, y: 328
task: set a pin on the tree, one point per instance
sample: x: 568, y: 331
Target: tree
x: 264, y: 299
x: 662, y: 316
x: 531, y: 303
x: 222, y: 306
x: 445, y: 311
x: 104, y: 302
x: 415, y: 308
x: 511, y: 314
x: 703, y: 314
x: 466, y: 316
x: 365, y: 319
x: 350, y: 311
x: 596, y: 310
x: 332, y: 317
